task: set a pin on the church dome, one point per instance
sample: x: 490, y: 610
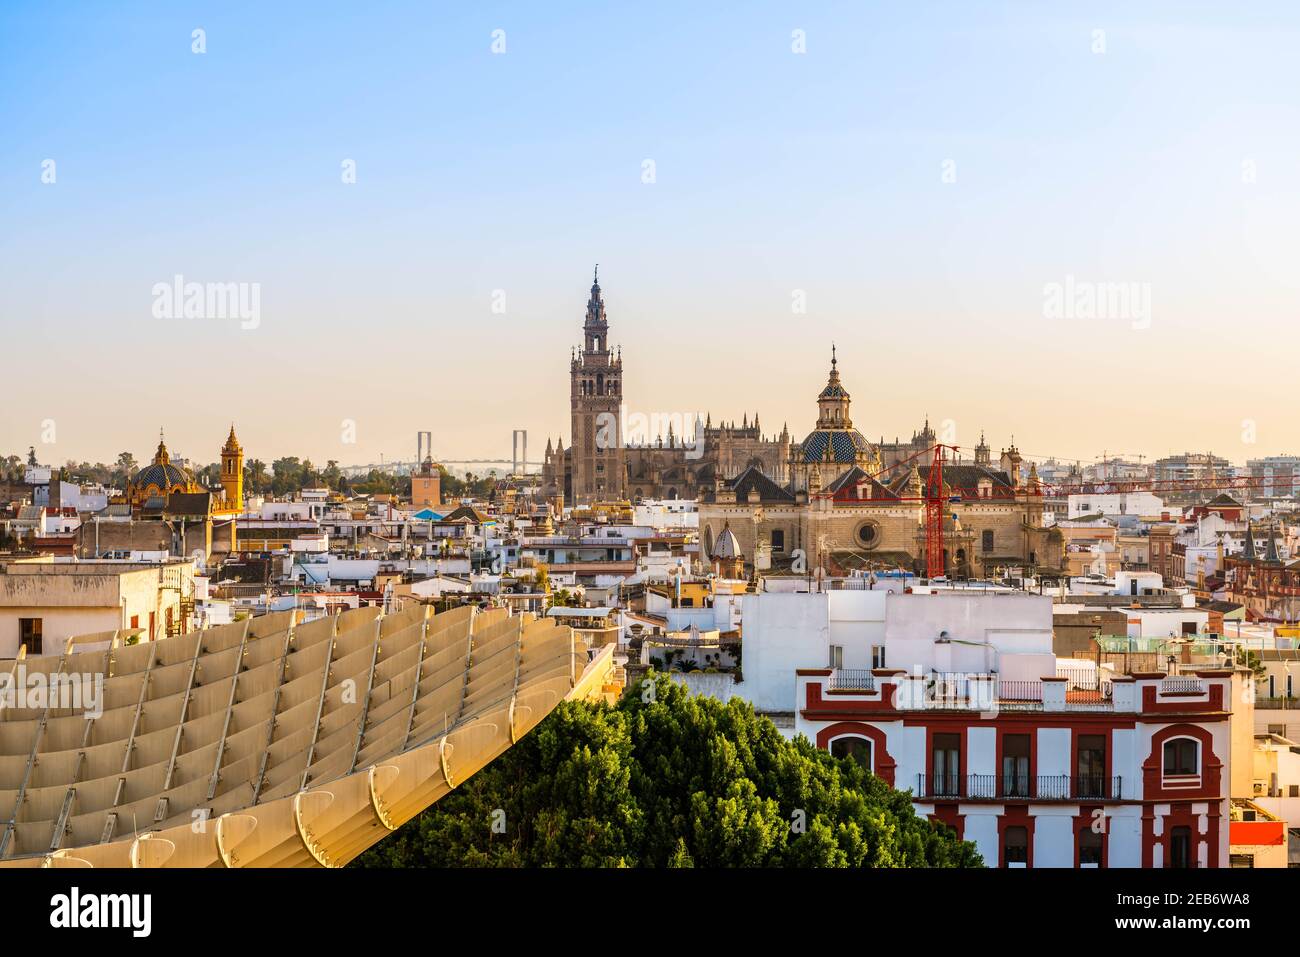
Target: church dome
x: 726, y: 546
x: 846, y: 446
x: 160, y: 475
x: 163, y: 475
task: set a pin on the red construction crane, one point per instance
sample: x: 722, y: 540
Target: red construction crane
x: 938, y: 497
x: 934, y: 565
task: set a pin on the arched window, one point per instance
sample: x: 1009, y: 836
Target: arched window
x: 1182, y: 756
x: 855, y: 748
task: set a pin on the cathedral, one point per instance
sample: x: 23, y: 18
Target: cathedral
x: 848, y: 508
x: 600, y: 464
x: 834, y: 501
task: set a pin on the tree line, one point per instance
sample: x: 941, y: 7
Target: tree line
x: 284, y: 477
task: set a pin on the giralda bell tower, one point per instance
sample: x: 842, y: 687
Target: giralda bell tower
x: 598, y: 460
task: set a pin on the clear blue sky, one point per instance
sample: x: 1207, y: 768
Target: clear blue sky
x: 775, y: 172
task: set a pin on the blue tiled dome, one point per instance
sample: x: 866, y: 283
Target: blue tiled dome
x: 163, y: 476
x: 845, y: 446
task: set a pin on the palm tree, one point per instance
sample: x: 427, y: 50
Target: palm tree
x: 123, y: 469
x: 256, y: 469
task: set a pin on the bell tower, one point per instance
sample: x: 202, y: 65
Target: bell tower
x: 232, y: 472
x: 596, y: 403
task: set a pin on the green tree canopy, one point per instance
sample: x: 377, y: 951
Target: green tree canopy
x: 666, y: 779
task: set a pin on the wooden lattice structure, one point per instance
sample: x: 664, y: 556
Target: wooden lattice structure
x: 267, y: 743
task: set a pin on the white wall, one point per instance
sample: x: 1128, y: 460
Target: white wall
x: 907, y: 745
x: 1054, y: 752
x: 782, y: 633
x: 786, y: 632
x: 1126, y: 762
x: 1124, y: 835
x: 1010, y: 624
x: 1126, y: 503
x: 1164, y: 623
x: 1054, y: 835
x: 350, y: 569
x: 981, y: 826
x: 982, y: 751
x: 57, y: 625
x: 856, y: 623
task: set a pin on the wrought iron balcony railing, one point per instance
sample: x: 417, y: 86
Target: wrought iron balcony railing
x: 1025, y: 787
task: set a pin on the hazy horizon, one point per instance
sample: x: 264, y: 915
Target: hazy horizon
x: 929, y: 186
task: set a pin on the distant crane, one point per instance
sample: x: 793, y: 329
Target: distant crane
x: 937, y: 497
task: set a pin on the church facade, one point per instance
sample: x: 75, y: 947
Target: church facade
x: 601, y: 464
x: 847, y: 509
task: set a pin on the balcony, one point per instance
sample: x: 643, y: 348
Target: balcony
x: 1180, y: 685
x: 860, y: 680
x: 995, y: 787
x: 973, y: 693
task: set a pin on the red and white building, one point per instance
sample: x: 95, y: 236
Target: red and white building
x: 1040, y: 762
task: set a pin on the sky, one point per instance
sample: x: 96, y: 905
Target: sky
x: 1069, y: 224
